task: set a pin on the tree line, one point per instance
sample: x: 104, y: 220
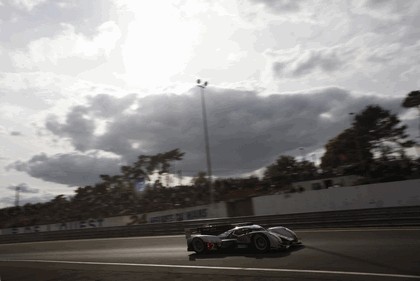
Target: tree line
x: 374, y: 147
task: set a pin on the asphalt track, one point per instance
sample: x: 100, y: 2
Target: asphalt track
x: 340, y: 254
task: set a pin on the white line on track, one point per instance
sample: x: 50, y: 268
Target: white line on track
x: 183, y: 235
x: 353, y: 273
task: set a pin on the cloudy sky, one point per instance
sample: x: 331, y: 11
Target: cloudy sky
x: 86, y: 86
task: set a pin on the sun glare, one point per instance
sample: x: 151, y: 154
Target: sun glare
x: 160, y: 41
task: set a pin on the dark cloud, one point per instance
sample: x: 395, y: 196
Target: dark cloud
x: 106, y: 106
x: 247, y: 131
x: 70, y: 169
x: 78, y: 128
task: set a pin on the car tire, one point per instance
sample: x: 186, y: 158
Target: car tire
x: 198, y: 246
x: 260, y: 243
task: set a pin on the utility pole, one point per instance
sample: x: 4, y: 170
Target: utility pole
x: 206, y: 138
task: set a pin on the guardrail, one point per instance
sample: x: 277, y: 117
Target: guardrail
x: 395, y: 216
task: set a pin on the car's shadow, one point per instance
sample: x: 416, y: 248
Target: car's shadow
x: 245, y: 253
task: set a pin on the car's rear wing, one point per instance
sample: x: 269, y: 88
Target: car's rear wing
x: 212, y: 229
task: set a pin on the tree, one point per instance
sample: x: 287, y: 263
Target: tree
x: 343, y: 150
x: 413, y: 100
x: 375, y: 132
x: 380, y: 131
x: 200, y: 179
x: 115, y: 194
x: 145, y: 166
x: 286, y: 170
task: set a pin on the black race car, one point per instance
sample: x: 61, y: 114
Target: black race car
x: 237, y: 236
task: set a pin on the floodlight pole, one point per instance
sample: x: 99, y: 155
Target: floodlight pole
x: 206, y: 138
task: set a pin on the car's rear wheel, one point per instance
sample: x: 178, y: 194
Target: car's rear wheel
x: 198, y: 246
x: 260, y: 243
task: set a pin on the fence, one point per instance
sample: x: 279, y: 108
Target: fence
x: 394, y: 216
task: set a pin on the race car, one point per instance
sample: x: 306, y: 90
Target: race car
x: 239, y: 236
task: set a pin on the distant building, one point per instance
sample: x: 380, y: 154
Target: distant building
x: 329, y: 182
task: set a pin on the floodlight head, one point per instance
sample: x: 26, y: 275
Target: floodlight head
x: 206, y: 83
x: 198, y: 81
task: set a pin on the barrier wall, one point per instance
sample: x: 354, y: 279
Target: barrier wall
x: 391, y: 194
x: 326, y: 182
x: 217, y: 210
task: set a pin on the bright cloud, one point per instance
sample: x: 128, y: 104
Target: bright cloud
x: 50, y: 53
x: 27, y: 4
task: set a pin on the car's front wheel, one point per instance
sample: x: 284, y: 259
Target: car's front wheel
x: 198, y: 246
x: 260, y: 243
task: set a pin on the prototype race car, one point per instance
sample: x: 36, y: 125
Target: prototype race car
x: 239, y: 236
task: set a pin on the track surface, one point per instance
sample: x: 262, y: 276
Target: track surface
x: 347, y: 254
